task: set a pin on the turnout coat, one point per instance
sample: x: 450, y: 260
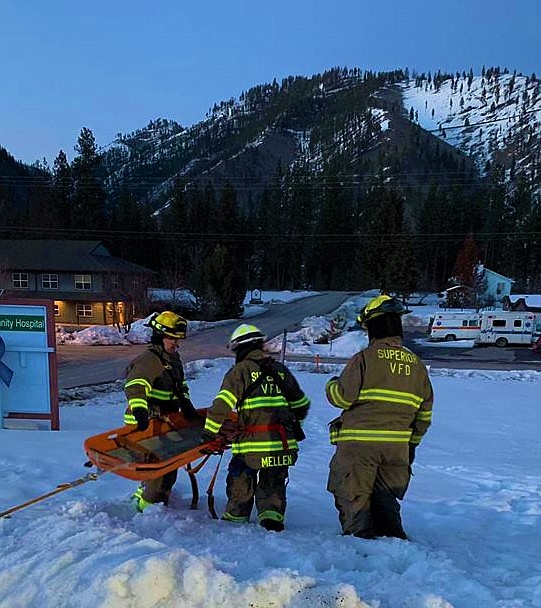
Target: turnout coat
x: 269, y: 403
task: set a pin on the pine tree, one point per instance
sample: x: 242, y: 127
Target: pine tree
x: 496, y: 222
x: 175, y: 220
x: 466, y: 276
x: 382, y: 221
x: 223, y: 289
x: 62, y: 191
x: 88, y: 197
x: 228, y: 210
x: 201, y: 229
x: 403, y: 271
x: 335, y: 228
x: 270, y: 255
x: 127, y: 224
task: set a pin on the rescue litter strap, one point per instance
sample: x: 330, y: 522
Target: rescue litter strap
x: 60, y: 488
x: 210, y: 489
x: 192, y: 471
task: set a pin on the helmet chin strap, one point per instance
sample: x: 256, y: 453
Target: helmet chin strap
x: 156, y: 339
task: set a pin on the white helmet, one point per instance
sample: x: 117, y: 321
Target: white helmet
x: 245, y: 334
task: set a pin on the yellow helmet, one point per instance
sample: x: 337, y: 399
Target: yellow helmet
x: 244, y: 334
x: 380, y: 305
x: 169, y: 324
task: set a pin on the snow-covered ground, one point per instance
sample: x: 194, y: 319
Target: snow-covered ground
x: 473, y: 512
x: 480, y: 116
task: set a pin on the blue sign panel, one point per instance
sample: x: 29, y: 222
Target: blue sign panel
x: 25, y: 360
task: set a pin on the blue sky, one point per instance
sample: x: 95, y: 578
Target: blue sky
x: 113, y: 66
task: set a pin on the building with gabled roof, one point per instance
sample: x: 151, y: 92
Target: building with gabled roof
x: 498, y: 286
x: 526, y: 302
x: 87, y: 284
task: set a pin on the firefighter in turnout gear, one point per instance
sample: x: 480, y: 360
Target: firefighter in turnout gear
x: 270, y: 405
x: 386, y: 397
x: 156, y: 386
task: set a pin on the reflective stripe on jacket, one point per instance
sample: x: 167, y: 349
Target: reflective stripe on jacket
x: 265, y: 416
x: 155, y: 381
x: 385, y: 393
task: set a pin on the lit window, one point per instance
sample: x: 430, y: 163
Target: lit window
x: 19, y: 280
x: 56, y: 309
x: 84, y: 310
x: 49, y: 281
x: 83, y: 282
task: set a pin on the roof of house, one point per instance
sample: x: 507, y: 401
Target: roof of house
x: 532, y: 301
x: 498, y: 274
x: 72, y: 296
x: 38, y: 255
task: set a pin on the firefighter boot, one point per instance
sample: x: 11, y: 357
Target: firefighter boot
x: 271, y: 524
x: 137, y: 500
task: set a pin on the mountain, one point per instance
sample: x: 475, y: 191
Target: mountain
x: 20, y: 184
x: 305, y: 170
x: 421, y: 128
x: 493, y: 118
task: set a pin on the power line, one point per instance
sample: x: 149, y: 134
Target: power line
x: 162, y: 235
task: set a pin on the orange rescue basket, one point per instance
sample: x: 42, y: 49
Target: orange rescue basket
x: 169, y: 443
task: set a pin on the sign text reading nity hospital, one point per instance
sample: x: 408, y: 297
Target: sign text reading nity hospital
x: 22, y: 323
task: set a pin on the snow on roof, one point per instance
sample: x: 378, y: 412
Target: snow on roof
x: 530, y: 299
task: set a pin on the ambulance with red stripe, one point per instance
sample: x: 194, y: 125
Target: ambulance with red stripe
x: 456, y: 325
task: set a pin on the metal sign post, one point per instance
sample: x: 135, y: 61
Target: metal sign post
x: 284, y: 346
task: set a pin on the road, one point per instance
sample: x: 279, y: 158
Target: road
x: 80, y: 365
x: 478, y: 357
x: 87, y: 365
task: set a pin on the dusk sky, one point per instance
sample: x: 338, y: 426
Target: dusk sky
x: 114, y: 65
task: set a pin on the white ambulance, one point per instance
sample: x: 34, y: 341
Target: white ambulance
x: 456, y: 325
x: 503, y: 327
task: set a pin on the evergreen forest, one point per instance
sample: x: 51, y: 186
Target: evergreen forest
x: 324, y: 183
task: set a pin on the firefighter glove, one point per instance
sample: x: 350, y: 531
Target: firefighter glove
x: 211, y: 444
x: 188, y: 411
x: 228, y: 432
x: 141, y: 415
x: 207, y: 436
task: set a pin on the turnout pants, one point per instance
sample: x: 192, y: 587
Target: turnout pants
x: 159, y: 490
x: 265, y: 487
x: 367, y: 481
